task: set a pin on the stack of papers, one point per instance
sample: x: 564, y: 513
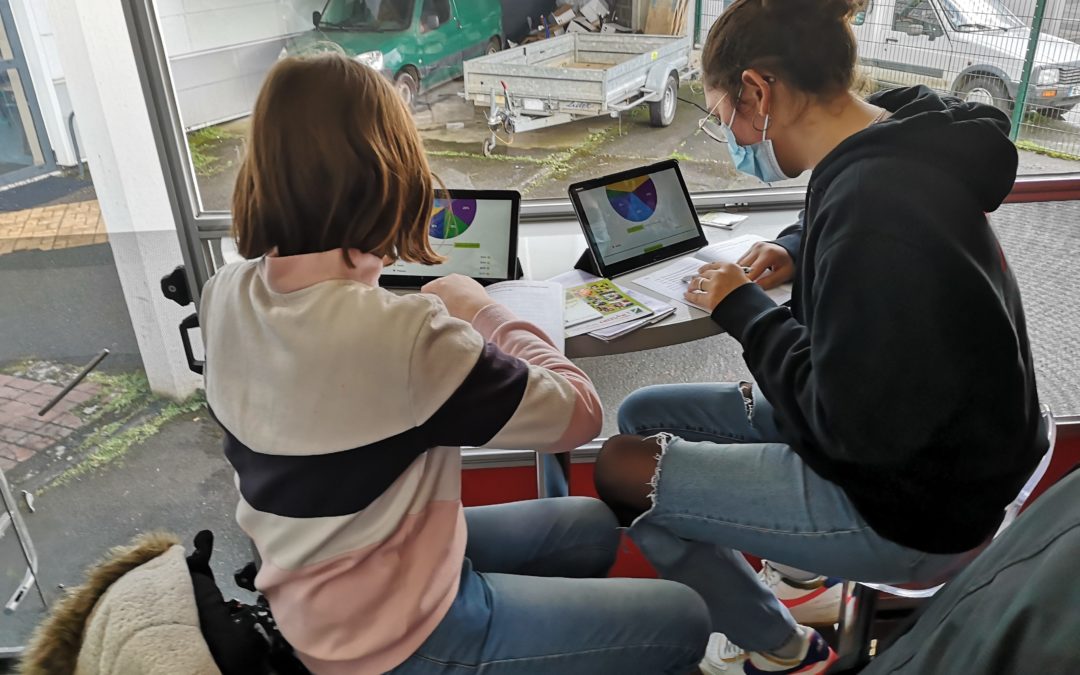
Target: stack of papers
x: 606, y: 311
x: 660, y: 311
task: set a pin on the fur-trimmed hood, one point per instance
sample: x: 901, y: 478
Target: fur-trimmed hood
x: 135, y: 614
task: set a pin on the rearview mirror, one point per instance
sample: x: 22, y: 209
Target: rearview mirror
x: 316, y: 18
x: 429, y: 22
x: 914, y: 29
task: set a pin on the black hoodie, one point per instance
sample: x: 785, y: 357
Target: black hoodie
x: 902, y: 371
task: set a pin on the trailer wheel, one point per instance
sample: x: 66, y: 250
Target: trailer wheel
x: 662, y: 112
x: 494, y: 46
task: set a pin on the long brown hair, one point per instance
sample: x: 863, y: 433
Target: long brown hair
x: 333, y: 162
x: 806, y: 43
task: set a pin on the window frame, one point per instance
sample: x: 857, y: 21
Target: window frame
x: 200, y: 232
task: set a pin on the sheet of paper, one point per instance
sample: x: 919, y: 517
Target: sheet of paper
x: 728, y: 251
x: 668, y: 282
x: 538, y: 302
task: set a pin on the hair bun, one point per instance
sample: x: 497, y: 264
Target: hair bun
x: 824, y: 9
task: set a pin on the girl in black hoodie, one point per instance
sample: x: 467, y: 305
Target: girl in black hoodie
x: 894, y: 412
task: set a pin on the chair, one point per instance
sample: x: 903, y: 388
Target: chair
x: 860, y: 599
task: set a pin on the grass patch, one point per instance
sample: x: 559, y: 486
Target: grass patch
x: 680, y: 156
x: 112, y: 441
x: 1031, y: 146
x: 128, y: 413
x: 559, y: 164
x: 204, y: 144
x: 457, y: 154
x: 16, y: 367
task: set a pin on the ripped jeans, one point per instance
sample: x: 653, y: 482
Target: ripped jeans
x: 727, y: 483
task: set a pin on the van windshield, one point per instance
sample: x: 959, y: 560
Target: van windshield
x: 367, y: 15
x: 980, y: 15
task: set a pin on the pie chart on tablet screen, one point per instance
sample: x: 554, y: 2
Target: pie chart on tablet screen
x: 452, y: 218
x: 634, y: 199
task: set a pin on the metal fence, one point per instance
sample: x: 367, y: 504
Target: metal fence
x: 992, y: 51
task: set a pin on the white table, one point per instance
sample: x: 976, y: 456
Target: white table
x: 549, y: 249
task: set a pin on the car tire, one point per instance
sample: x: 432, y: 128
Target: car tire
x: 662, y: 112
x: 987, y: 90
x: 494, y: 46
x: 407, y: 87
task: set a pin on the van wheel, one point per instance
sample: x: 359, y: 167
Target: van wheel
x: 494, y: 46
x: 662, y: 112
x: 988, y: 91
x: 407, y: 87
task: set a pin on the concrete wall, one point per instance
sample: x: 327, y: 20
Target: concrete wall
x: 220, y: 51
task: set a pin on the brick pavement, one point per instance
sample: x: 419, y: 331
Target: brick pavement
x: 52, y: 227
x: 23, y: 433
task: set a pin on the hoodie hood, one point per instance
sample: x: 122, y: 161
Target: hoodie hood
x: 969, y: 141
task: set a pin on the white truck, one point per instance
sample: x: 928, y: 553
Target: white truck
x: 975, y: 48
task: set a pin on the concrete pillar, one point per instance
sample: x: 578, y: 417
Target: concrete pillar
x: 114, y: 123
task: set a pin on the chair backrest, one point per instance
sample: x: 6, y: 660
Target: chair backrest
x: 926, y: 590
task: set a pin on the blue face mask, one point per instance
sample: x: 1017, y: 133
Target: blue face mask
x: 759, y: 159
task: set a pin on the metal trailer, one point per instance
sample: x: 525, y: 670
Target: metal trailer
x: 577, y: 76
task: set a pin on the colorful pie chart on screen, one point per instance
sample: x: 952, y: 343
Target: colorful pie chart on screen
x: 633, y: 199
x: 452, y: 218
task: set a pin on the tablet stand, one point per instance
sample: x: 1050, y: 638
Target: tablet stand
x: 585, y: 263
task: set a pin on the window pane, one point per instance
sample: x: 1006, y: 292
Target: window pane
x: 576, y: 105
x: 978, y: 50
x: 559, y: 130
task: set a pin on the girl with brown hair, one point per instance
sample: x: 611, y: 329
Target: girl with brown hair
x: 344, y: 408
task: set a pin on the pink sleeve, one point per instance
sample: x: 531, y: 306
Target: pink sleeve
x: 498, y: 325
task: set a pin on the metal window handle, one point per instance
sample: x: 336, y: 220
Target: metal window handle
x: 188, y: 324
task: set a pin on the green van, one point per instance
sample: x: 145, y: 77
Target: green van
x: 416, y: 43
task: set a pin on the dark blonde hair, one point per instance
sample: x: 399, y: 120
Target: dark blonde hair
x: 806, y: 43
x: 333, y: 162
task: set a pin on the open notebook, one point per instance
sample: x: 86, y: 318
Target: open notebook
x: 668, y: 280
x: 538, y: 302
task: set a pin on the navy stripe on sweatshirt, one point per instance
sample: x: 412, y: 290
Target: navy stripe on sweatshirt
x: 346, y: 482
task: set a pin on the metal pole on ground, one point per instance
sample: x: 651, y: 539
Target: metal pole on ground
x: 1029, y: 61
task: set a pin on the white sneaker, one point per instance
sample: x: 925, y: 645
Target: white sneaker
x: 722, y: 656
x: 812, y: 603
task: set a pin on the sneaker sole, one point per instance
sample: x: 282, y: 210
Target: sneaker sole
x: 820, y: 666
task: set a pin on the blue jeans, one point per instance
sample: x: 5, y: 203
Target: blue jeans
x: 727, y: 483
x: 512, y: 615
